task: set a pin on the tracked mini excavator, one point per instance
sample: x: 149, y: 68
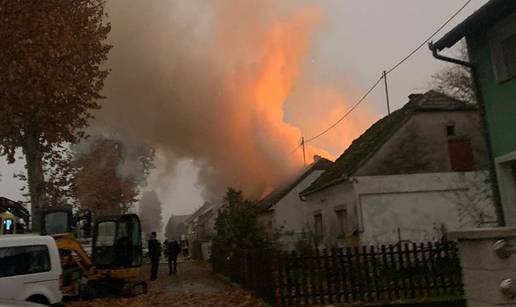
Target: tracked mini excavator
x: 116, y: 254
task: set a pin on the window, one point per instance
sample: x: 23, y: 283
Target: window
x: 106, y: 233
x: 56, y: 222
x: 508, y: 46
x: 21, y: 260
x: 318, y: 224
x: 502, y: 40
x: 104, y: 252
x: 450, y: 130
x: 341, y: 221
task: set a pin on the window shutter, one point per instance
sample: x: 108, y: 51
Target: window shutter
x: 461, y: 155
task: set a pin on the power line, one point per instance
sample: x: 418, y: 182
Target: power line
x: 385, y: 75
x: 347, y: 113
x: 295, y: 149
x: 429, y: 38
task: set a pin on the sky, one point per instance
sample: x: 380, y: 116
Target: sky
x: 349, y: 49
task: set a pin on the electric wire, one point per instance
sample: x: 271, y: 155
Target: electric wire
x: 362, y: 99
x: 430, y: 37
x: 396, y: 66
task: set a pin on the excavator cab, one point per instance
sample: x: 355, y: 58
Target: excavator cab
x: 116, y: 254
x: 7, y: 223
x: 117, y: 242
x: 56, y: 221
x: 11, y: 216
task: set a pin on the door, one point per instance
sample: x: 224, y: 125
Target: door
x: 129, y: 241
x: 117, y: 242
x: 104, y: 238
x: 24, y: 269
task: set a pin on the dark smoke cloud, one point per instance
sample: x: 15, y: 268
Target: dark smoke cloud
x: 206, y: 80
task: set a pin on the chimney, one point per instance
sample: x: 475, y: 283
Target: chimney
x: 316, y: 158
x: 413, y: 97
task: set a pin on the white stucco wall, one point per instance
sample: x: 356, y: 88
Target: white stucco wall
x: 326, y: 202
x: 289, y: 214
x: 420, y: 205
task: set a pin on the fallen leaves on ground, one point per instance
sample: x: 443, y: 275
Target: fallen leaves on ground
x: 195, y: 285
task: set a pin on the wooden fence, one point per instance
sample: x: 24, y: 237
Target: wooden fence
x: 252, y: 269
x: 372, y: 274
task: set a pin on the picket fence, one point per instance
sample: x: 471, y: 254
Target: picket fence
x: 386, y: 274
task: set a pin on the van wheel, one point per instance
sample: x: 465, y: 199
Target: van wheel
x: 40, y: 299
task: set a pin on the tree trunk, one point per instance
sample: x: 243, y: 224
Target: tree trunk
x: 35, y: 178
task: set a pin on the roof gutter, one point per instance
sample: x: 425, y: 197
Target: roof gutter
x: 441, y: 57
x: 480, y: 99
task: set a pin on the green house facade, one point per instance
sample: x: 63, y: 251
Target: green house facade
x: 490, y: 34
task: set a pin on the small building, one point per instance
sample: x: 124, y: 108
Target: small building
x: 176, y: 226
x: 490, y: 34
x: 283, y: 212
x: 409, y: 177
x: 200, y: 228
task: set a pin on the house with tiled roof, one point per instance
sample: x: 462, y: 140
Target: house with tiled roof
x: 200, y: 227
x: 282, y: 211
x: 410, y: 176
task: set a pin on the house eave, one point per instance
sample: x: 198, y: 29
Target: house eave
x: 482, y: 18
x: 323, y: 187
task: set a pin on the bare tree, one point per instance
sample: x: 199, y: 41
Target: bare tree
x: 476, y: 205
x: 455, y: 80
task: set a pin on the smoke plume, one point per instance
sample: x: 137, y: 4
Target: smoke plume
x: 207, y: 80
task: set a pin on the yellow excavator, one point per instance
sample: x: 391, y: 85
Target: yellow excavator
x: 11, y: 215
x: 7, y: 223
x: 116, y: 254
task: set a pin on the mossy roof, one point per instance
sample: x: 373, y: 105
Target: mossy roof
x: 365, y: 146
x: 275, y: 196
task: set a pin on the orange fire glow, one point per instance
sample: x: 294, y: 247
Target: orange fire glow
x: 227, y: 91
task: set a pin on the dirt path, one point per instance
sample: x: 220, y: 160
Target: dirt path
x: 194, y: 285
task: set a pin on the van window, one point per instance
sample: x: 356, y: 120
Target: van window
x: 20, y: 260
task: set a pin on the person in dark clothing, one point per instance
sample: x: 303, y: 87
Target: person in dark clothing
x: 154, y: 254
x: 173, y: 250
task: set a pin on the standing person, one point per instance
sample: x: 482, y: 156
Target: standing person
x: 154, y: 254
x: 173, y: 250
x: 165, y: 248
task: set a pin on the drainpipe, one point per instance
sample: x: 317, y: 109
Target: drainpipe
x: 480, y: 99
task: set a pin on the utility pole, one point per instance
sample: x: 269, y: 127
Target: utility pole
x: 386, y: 92
x: 303, y: 145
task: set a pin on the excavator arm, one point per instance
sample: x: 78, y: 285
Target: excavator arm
x: 66, y: 242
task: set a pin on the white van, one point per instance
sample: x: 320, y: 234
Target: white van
x: 30, y: 269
